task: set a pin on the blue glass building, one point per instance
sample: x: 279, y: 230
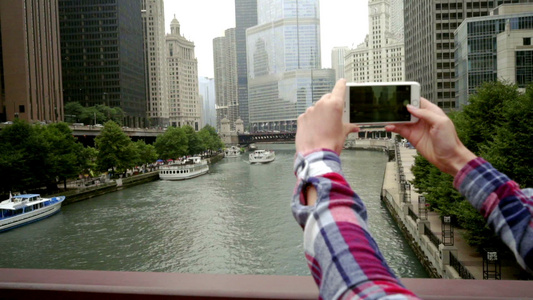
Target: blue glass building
x: 284, y: 63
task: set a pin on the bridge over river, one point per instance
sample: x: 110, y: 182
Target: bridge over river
x: 86, y: 135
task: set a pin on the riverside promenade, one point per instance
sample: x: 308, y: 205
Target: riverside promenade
x: 424, y: 230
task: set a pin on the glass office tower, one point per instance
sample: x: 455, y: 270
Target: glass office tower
x: 245, y: 17
x: 284, y: 63
x: 496, y: 47
x: 102, y: 55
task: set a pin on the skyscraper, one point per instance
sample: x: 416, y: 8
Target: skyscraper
x: 153, y: 14
x: 429, y: 43
x: 102, y: 55
x: 284, y: 63
x: 226, y: 80
x: 380, y: 58
x: 245, y: 17
x: 338, y: 55
x: 30, y: 70
x: 184, y: 97
x: 207, y: 92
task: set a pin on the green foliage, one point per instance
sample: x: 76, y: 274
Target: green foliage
x: 98, y: 114
x: 146, y: 153
x: 22, y: 157
x: 196, y: 145
x: 63, y: 159
x: 172, y: 144
x: 510, y: 148
x: 115, y: 149
x: 32, y: 157
x: 73, y: 112
x: 497, y: 125
x: 211, y: 139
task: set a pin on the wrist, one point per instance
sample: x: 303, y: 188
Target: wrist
x: 316, y: 163
x: 460, y: 160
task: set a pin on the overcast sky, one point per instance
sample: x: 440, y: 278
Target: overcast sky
x: 343, y: 23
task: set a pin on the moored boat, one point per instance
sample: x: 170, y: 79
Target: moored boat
x: 189, y: 168
x: 262, y: 156
x: 24, y: 209
x: 232, y: 151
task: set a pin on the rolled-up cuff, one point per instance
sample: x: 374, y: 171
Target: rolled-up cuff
x: 308, y: 169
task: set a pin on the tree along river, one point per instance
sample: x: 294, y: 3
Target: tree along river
x: 234, y: 220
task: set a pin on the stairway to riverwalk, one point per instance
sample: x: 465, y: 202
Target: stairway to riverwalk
x: 456, y: 259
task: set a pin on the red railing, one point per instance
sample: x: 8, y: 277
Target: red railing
x: 71, y: 284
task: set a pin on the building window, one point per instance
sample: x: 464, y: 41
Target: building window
x: 524, y: 68
x: 527, y: 41
x: 22, y: 109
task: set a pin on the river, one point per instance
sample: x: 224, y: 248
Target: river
x: 234, y: 220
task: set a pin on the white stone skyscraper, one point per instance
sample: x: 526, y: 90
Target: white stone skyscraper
x: 153, y: 15
x: 184, y: 98
x: 381, y: 57
x: 284, y: 63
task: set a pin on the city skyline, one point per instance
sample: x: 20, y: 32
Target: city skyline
x: 337, y: 17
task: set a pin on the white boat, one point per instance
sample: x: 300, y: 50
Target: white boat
x: 262, y: 156
x: 233, y: 151
x: 189, y: 168
x: 24, y: 209
x: 252, y: 147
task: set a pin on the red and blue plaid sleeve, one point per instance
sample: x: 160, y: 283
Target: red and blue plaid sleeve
x: 507, y: 209
x: 342, y: 256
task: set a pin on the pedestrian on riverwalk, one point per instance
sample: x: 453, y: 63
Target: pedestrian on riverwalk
x: 342, y: 255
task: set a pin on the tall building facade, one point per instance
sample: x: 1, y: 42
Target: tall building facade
x: 207, y: 92
x: 102, y: 55
x: 380, y: 58
x: 184, y: 97
x: 396, y: 16
x: 338, y: 55
x: 429, y: 43
x: 284, y: 63
x: 495, y: 47
x: 245, y: 17
x: 153, y: 16
x: 30, y: 61
x: 226, y: 79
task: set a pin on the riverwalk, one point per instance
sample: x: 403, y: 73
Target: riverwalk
x: 424, y: 230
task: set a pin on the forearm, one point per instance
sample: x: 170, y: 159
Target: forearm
x: 507, y: 209
x: 343, y: 257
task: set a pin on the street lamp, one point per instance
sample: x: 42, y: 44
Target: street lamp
x: 491, y: 264
x: 447, y: 231
x: 422, y: 208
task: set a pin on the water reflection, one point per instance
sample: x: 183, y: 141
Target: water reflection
x: 234, y: 220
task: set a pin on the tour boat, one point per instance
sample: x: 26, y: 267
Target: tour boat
x: 24, y: 209
x: 262, y: 156
x: 252, y: 147
x: 233, y: 151
x: 180, y: 170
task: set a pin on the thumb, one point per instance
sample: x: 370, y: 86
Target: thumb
x: 349, y: 128
x: 424, y: 114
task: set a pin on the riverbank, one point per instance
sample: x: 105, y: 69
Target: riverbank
x: 440, y: 247
x: 85, y: 193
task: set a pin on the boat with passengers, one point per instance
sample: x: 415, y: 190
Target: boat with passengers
x: 232, y: 151
x: 262, y: 156
x: 179, y: 170
x: 20, y: 210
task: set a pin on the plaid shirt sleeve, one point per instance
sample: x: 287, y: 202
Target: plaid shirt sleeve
x: 342, y: 256
x: 507, y: 209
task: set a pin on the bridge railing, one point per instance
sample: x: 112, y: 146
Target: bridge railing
x: 73, y: 284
